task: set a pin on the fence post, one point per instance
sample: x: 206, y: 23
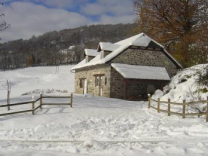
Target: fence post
x: 33, y: 107
x: 41, y: 102
x: 207, y: 111
x: 158, y: 105
x: 168, y: 107
x: 8, y: 100
x: 184, y: 109
x: 149, y: 97
x: 71, y: 100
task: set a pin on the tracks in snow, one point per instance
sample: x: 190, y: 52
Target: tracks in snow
x: 153, y: 141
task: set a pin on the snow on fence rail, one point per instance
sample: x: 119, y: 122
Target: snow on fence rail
x: 184, y: 104
x: 33, y: 104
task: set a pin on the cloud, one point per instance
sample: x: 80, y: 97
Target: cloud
x: 61, y: 3
x: 110, y: 11
x: 27, y: 19
x: 35, y: 17
x: 105, y: 19
x: 115, y: 7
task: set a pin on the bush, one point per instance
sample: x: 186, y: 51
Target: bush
x: 203, y: 77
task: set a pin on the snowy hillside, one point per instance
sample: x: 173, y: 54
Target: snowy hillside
x: 31, y: 81
x: 94, y: 126
x: 184, y: 86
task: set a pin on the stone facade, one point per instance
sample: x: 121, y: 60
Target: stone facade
x: 146, y: 58
x: 117, y: 85
x: 89, y: 74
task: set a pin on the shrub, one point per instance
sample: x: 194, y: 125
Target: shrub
x: 203, y: 77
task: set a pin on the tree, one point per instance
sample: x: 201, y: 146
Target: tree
x: 180, y: 25
x: 3, y: 24
x: 8, y: 87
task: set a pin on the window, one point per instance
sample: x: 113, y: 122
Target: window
x: 98, y: 79
x: 105, y: 80
x: 81, y: 82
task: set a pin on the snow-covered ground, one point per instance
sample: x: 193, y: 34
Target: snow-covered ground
x: 36, y: 80
x: 94, y: 126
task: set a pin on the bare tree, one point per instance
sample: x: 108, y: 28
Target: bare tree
x: 8, y: 86
x: 3, y: 24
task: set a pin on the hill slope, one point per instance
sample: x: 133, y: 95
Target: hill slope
x: 45, y: 49
x: 33, y: 80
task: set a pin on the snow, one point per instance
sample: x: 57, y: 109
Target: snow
x: 137, y: 40
x: 91, y: 52
x: 94, y: 126
x: 129, y: 40
x: 71, y: 47
x: 184, y: 86
x: 107, y: 46
x: 141, y: 72
x: 98, y: 60
x: 80, y: 64
x: 45, y: 79
x: 83, y: 63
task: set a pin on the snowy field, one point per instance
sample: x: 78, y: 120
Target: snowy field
x: 94, y: 126
x: 36, y: 80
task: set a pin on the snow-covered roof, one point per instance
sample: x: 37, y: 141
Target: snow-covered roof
x: 130, y: 40
x: 80, y: 64
x: 108, y: 46
x: 91, y: 52
x: 71, y: 47
x: 83, y: 63
x: 137, y: 40
x: 141, y: 72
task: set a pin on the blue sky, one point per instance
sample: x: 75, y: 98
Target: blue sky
x: 35, y: 17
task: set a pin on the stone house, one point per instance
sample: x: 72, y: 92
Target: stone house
x: 128, y: 69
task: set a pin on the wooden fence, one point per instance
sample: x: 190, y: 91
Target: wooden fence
x: 183, y: 105
x: 33, y: 108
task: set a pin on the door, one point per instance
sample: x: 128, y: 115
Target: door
x: 100, y: 87
x: 85, y: 86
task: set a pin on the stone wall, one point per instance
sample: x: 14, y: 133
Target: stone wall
x: 88, y: 73
x: 117, y: 85
x: 146, y: 58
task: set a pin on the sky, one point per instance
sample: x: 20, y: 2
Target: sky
x: 35, y: 17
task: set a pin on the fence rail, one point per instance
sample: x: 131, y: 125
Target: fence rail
x: 33, y: 108
x: 184, y: 104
